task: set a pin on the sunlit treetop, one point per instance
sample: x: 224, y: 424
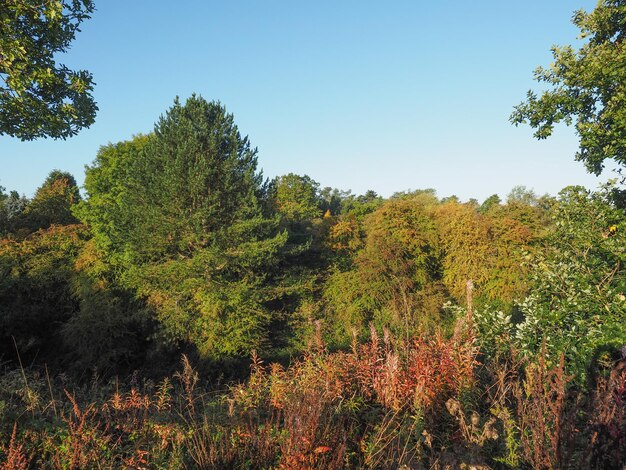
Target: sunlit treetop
x: 586, y: 87
x: 38, y: 96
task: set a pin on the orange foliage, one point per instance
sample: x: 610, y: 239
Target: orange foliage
x: 15, y: 455
x: 487, y: 248
x: 345, y: 235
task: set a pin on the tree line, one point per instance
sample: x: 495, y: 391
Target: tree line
x: 180, y: 245
x: 411, y: 331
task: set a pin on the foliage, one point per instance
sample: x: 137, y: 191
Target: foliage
x: 217, y: 299
x: 576, y: 303
x: 35, y: 293
x: 109, y: 331
x: 399, y: 265
x: 296, y: 201
x: 295, y: 198
x: 106, y: 210
x: 326, y: 411
x: 11, y: 207
x: 486, y: 247
x: 333, y: 200
x: 586, y: 87
x: 425, y: 402
x: 178, y: 215
x: 192, y: 178
x: 52, y: 203
x: 345, y: 235
x: 496, y: 330
x: 608, y: 422
x: 398, y: 262
x: 490, y: 203
x: 184, y: 247
x: 360, y: 206
x: 40, y: 98
x: 542, y: 401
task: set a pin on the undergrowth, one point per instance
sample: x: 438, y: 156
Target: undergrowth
x: 430, y: 402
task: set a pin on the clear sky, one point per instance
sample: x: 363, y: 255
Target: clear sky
x: 357, y: 94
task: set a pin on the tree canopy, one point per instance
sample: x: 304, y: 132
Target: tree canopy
x: 38, y: 96
x: 586, y: 87
x: 296, y: 197
x: 53, y: 202
x: 178, y: 214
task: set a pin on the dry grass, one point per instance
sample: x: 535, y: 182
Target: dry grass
x: 423, y: 403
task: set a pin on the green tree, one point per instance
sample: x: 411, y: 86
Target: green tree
x: 296, y: 198
x: 38, y: 97
x: 586, y: 86
x: 522, y: 196
x: 360, y: 206
x: 52, y: 203
x: 490, y: 203
x: 194, y: 179
x: 332, y: 200
x: 107, y: 182
x: 12, y: 206
x: 487, y: 248
x: 524, y: 206
x: 396, y: 274
x: 4, y: 215
x: 186, y: 232
x: 576, y: 304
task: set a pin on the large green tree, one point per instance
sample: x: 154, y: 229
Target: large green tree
x: 179, y: 216
x: 586, y: 87
x: 107, y: 210
x: 38, y: 96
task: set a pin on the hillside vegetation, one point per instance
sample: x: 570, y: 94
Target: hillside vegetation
x: 186, y: 312
x: 411, y: 330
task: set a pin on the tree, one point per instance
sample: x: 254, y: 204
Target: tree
x: 396, y: 274
x: 4, y: 215
x: 587, y: 86
x: 296, y: 198
x: 490, y: 203
x: 107, y: 182
x: 360, y: 206
x: 186, y: 231
x: 12, y: 206
x: 484, y: 247
x: 332, y: 200
x: 576, y: 305
x: 195, y: 178
x: 52, y: 203
x: 38, y: 97
x: 522, y: 196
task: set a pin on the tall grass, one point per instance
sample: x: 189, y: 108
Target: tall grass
x: 427, y: 402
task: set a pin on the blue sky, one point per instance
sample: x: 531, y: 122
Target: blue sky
x: 357, y: 94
